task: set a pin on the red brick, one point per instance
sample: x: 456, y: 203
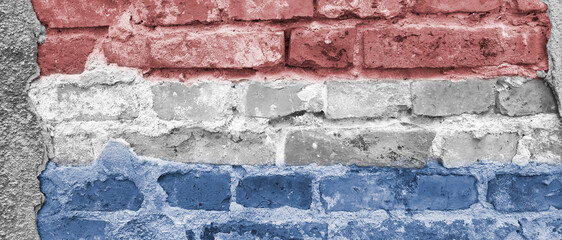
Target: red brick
x: 453, y: 46
x: 218, y: 50
x: 366, y: 8
x: 449, y: 6
x: 270, y: 9
x: 130, y: 52
x: 67, y: 51
x: 176, y: 12
x: 72, y: 13
x: 527, y: 6
x: 327, y: 48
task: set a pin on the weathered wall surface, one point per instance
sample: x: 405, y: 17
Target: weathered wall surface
x: 367, y: 123
x: 22, y: 151
x: 554, y: 76
x: 279, y: 118
x: 124, y: 196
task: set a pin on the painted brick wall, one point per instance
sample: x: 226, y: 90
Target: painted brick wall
x: 299, y: 119
x: 123, y: 196
x: 375, y: 39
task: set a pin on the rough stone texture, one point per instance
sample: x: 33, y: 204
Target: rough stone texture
x: 464, y: 148
x: 532, y: 97
x: 322, y: 48
x: 438, y: 46
x: 518, y: 193
x: 446, y: 98
x: 199, y: 102
x: 277, y: 100
x: 399, y: 148
x: 202, y: 146
x: 554, y: 75
x: 363, y: 9
x: 22, y: 150
x: 270, y: 9
x: 367, y: 99
x: 449, y: 6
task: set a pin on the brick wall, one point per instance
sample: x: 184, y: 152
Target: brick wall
x: 298, y: 119
x: 124, y: 196
x: 350, y: 39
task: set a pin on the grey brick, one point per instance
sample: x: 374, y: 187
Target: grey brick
x: 531, y: 97
x: 546, y: 146
x: 446, y: 98
x: 464, y: 148
x: 198, y: 145
x: 74, y: 149
x: 95, y: 103
x: 400, y: 148
x: 270, y: 101
x: 199, y: 102
x: 367, y: 99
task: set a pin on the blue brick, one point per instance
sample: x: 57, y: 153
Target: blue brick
x: 153, y: 227
x: 197, y: 190
x: 436, y: 192
x: 112, y: 194
x: 435, y: 230
x: 542, y: 228
x: 190, y: 235
x: 249, y: 230
x: 70, y: 228
x: 391, y: 189
x: 52, y: 204
x: 275, y: 191
x: 517, y: 193
x: 381, y: 190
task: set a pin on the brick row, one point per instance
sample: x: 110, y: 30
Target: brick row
x: 207, y: 102
x: 454, y: 227
x: 95, y: 13
x: 370, y: 189
x: 343, y: 100
x: 388, y: 47
x: 69, y: 14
